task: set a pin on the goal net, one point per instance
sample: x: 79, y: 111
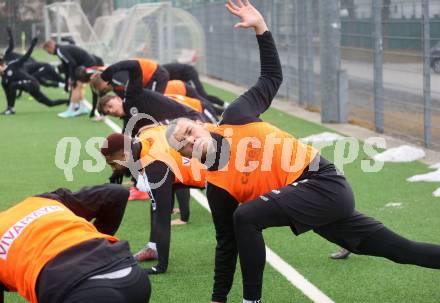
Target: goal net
x: 156, y: 31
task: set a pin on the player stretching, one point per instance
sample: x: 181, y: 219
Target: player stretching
x: 15, y: 78
x: 50, y: 253
x: 162, y: 171
x: 263, y: 177
x: 72, y: 57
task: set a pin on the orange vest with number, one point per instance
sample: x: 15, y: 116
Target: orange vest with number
x: 148, y: 68
x: 155, y: 147
x: 191, y: 102
x: 175, y: 87
x: 262, y: 158
x: 32, y: 233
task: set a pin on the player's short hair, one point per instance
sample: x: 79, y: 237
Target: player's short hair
x: 49, y: 43
x: 102, y: 102
x: 171, y: 129
x: 115, y: 143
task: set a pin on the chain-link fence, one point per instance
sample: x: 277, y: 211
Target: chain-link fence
x: 375, y: 63
x: 376, y: 60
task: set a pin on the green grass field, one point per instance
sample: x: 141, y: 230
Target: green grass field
x: 29, y: 141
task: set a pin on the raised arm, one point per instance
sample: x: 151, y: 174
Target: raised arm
x: 134, y: 70
x: 248, y: 107
x: 11, y: 46
x: 28, y: 54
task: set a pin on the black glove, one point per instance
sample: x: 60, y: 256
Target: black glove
x: 116, y: 178
x: 9, y: 30
x: 155, y: 270
x: 34, y: 41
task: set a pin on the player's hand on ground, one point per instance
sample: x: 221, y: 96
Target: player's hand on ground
x: 116, y: 178
x: 250, y: 16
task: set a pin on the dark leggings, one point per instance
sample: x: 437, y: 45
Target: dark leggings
x: 192, y: 76
x: 31, y: 87
x: 161, y: 207
x: 44, y: 73
x: 183, y: 197
x: 387, y: 244
x: 134, y: 288
x: 251, y: 218
x: 95, y: 103
x: 159, y: 80
x: 216, y: 109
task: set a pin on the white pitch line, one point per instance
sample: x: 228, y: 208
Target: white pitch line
x: 287, y: 271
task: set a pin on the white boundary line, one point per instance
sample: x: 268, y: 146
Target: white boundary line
x: 293, y: 276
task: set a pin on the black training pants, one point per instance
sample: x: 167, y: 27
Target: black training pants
x: 192, y: 76
x: 44, y: 73
x: 33, y: 88
x: 324, y: 203
x: 161, y: 181
x: 134, y: 288
x: 159, y: 80
x: 183, y: 198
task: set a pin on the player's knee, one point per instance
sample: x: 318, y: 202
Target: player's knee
x: 242, y: 217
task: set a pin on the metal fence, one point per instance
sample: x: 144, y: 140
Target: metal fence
x: 365, y: 61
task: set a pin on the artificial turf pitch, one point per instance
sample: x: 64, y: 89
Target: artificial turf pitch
x: 28, y: 149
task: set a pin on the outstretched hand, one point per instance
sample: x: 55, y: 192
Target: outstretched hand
x: 250, y: 16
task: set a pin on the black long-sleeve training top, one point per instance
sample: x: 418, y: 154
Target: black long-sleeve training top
x: 9, y: 53
x: 71, y: 57
x: 246, y: 109
x: 138, y: 100
x: 134, y: 70
x: 14, y: 70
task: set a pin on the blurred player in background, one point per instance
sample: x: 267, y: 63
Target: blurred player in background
x: 42, y: 71
x: 189, y: 74
x: 84, y: 74
x: 145, y: 72
x: 72, y: 57
x: 15, y: 78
